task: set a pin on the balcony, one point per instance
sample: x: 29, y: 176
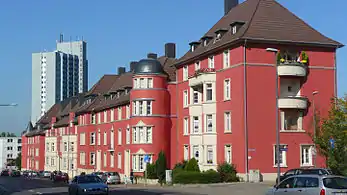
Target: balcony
x: 291, y: 69
x: 292, y: 102
x: 202, y: 75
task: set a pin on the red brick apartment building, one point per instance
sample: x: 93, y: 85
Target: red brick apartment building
x: 216, y: 103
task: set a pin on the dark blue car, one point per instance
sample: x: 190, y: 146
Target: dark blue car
x: 87, y: 184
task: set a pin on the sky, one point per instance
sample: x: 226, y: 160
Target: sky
x: 118, y: 32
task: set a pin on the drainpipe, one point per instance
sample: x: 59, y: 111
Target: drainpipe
x: 177, y: 145
x: 245, y: 109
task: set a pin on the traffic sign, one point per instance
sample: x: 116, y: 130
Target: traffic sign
x: 147, y: 159
x: 332, y: 143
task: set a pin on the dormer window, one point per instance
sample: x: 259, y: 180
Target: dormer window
x: 197, y: 65
x: 235, y: 26
x: 219, y: 34
x: 206, y: 40
x: 194, y: 45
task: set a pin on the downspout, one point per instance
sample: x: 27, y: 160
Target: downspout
x: 245, y: 109
x: 177, y: 145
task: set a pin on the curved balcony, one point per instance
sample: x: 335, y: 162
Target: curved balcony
x: 292, y: 102
x: 291, y: 69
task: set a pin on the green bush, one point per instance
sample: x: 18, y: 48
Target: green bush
x: 160, y: 165
x: 192, y: 165
x: 227, y: 172
x: 193, y: 177
x: 151, y: 171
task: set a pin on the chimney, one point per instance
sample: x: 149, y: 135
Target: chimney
x: 170, y: 50
x: 152, y: 56
x: 229, y: 4
x: 121, y: 70
x: 132, y: 65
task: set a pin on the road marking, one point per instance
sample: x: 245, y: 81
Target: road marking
x: 38, y: 193
x: 31, y: 190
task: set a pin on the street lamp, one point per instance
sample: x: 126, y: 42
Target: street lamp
x: 275, y: 51
x: 314, y: 126
x: 9, y: 105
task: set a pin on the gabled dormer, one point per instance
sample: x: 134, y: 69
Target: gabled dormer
x: 206, y: 39
x: 235, y: 26
x: 194, y: 45
x: 219, y: 34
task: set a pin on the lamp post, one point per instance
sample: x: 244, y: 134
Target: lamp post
x: 275, y: 51
x: 314, y: 127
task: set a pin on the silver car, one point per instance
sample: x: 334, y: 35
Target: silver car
x: 111, y: 178
x: 311, y: 185
x: 87, y: 184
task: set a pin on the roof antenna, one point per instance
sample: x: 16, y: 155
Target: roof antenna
x: 61, y: 38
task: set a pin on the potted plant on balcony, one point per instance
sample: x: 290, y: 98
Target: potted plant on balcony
x: 280, y: 58
x: 304, y: 57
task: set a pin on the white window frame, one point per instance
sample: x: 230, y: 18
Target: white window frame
x: 186, y: 126
x: 209, y: 120
x: 105, y: 116
x: 112, y: 114
x: 134, y: 109
x: 148, y: 131
x: 209, y: 154
x: 211, y: 62
x: 148, y: 107
x: 196, y: 125
x: 186, y: 152
x: 141, y: 108
x: 209, y: 87
x: 105, y: 159
x: 142, y: 83
x: 234, y: 29
x: 82, y: 139
x: 99, y: 117
x: 228, y: 154
x: 111, y: 159
x: 92, y: 138
x: 149, y: 82
x: 185, y: 73
x: 197, y: 65
x: 120, y: 113
x: 53, y: 147
x: 119, y: 136
x: 92, y: 158
x: 128, y: 111
x: 227, y: 122
x: 135, y: 83
x: 82, y: 158
x: 226, y: 59
x: 306, y: 149
x: 185, y: 98
x: 196, y: 149
x: 119, y: 160
x: 99, y: 138
x: 93, y: 118
x: 227, y: 92
x: 128, y: 137
x: 195, y: 92
x: 284, y: 155
x: 105, y: 138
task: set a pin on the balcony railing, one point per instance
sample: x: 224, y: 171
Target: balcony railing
x: 292, y: 102
x: 201, y: 75
x: 291, y: 68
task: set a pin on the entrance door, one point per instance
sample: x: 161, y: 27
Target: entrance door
x: 98, y: 161
x: 127, y: 162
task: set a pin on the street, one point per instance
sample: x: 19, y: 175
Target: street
x: 22, y: 186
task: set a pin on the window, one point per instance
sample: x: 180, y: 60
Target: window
x: 291, y: 120
x: 52, y: 162
x: 112, y: 139
x: 148, y: 135
x: 185, y: 126
x: 65, y: 146
x: 135, y: 136
x: 138, y: 162
x: 209, y: 92
x: 306, y: 155
x: 72, y: 146
x: 211, y: 62
x: 105, y: 116
x: 234, y: 29
x: 99, y: 117
x: 99, y: 138
x: 119, y: 136
x: 149, y: 107
x: 141, y: 108
x: 119, y: 160
x: 185, y: 73
x: 227, y: 121
x: 112, y: 114
x: 288, y: 183
x: 47, y: 160
x: 195, y: 124
x: 119, y: 113
x: 9, y: 148
x: 93, y: 118
x: 105, y: 138
x: 82, y: 139
x: 92, y: 158
x: 195, y: 96
x: 196, y: 153
x: 209, y: 155
x: 197, y: 65
x: 92, y: 138
x: 134, y: 109
x: 111, y: 160
x: 227, y: 89
x: 64, y: 162
x: 142, y: 83
x: 185, y: 98
x: 149, y: 83
x: 282, y: 157
x: 135, y: 84
x: 105, y: 159
x: 228, y: 155
x: 226, y: 62
x: 186, y: 152
x: 19, y: 148
x: 53, y: 147
x: 128, y: 111
x: 209, y: 126
x: 128, y: 136
x: 142, y: 135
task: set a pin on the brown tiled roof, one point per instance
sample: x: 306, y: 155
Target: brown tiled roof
x: 47, y: 117
x: 103, y: 85
x: 62, y: 122
x: 170, y: 70
x: 265, y: 21
x: 124, y: 80
x: 111, y: 103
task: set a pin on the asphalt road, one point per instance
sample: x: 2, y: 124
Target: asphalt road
x: 23, y: 186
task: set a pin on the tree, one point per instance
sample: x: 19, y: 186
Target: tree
x: 19, y: 161
x: 333, y: 127
x: 192, y: 165
x: 3, y: 134
x: 161, y: 167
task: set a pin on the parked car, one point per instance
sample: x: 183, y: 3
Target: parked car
x: 32, y: 174
x: 5, y: 173
x: 99, y: 174
x: 25, y: 173
x: 64, y: 177
x: 87, y: 184
x: 46, y: 174
x: 111, y: 178
x: 300, y: 171
x: 15, y: 173
x: 311, y: 185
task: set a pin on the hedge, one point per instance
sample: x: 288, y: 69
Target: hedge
x: 193, y: 177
